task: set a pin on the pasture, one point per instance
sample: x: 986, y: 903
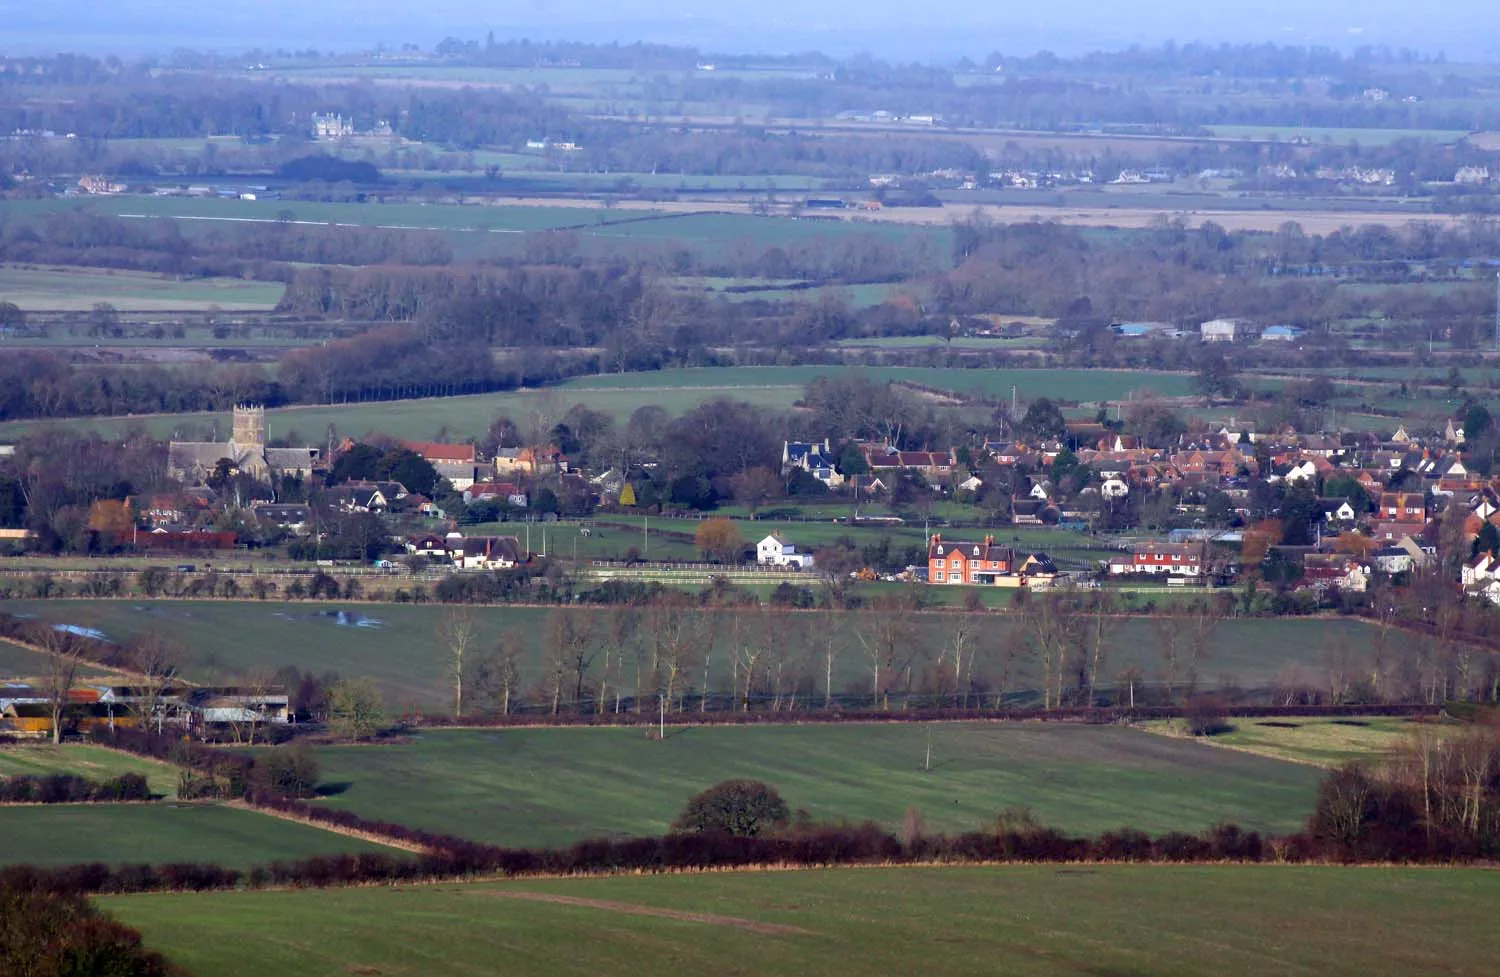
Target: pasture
x: 551, y: 787
x: 1330, y: 135
x: 620, y: 394
x: 44, y: 288
x: 1324, y: 742
x: 22, y: 663
x: 117, y: 834
x: 397, y: 646
x: 1021, y: 920
x: 95, y: 763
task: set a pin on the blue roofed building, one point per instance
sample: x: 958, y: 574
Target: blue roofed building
x: 815, y: 458
x: 1136, y: 330
x: 1282, y: 334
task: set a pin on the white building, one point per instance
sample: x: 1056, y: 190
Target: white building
x: 773, y: 551
x: 1219, y: 330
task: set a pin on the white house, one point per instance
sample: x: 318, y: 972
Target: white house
x: 1114, y: 488
x: 488, y: 553
x: 1480, y: 571
x: 773, y: 551
x: 1303, y: 471
x: 1337, y: 510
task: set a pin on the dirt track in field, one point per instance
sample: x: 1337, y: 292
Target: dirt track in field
x: 632, y: 909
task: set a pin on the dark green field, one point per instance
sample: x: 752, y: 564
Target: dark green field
x: 162, y: 832
x: 402, y: 653
x: 529, y: 787
x: 1020, y: 921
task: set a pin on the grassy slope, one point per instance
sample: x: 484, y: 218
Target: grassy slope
x: 22, y: 663
x: 1041, y: 921
x: 156, y: 833
x: 93, y: 762
x: 228, y: 638
x: 526, y: 787
x: 1325, y: 742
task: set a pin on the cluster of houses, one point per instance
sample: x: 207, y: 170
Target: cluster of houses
x: 26, y: 711
x: 1212, y: 331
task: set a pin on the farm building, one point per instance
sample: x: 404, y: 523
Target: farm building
x: 26, y: 710
x: 1219, y: 331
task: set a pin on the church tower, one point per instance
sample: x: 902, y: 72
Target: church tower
x: 250, y: 429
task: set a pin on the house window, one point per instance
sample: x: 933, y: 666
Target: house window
x: 941, y: 576
x: 957, y: 564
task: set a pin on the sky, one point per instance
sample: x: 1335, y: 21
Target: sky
x: 932, y: 30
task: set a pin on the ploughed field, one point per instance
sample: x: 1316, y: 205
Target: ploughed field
x: 1022, y: 920
x: 397, y: 645
x: 538, y: 787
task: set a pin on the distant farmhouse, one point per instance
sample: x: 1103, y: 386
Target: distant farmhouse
x: 245, y: 450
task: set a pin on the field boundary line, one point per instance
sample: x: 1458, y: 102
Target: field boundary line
x: 373, y: 838
x: 637, y: 909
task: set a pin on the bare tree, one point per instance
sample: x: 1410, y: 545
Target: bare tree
x: 570, y: 638
x: 1130, y: 677
x: 885, y: 632
x: 1052, y: 627
x: 246, y: 707
x: 155, y: 660
x: 64, y: 658
x: 832, y: 644
x: 751, y: 638
x: 1102, y: 627
x: 1204, y: 620
x: 497, y: 675
x: 620, y: 630
x: 1171, y: 631
x: 676, y: 634
x: 963, y: 639
x: 458, y: 630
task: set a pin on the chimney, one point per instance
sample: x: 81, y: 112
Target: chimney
x: 937, y: 538
x: 989, y: 541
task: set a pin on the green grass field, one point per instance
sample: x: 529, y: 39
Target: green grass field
x: 1020, y: 921
x: 93, y: 762
x: 1335, y: 136
x: 476, y: 230
x: 21, y: 663
x: 678, y: 391
x: 157, y: 833
x: 1325, y: 742
x: 56, y: 289
x: 529, y: 787
x: 403, y: 655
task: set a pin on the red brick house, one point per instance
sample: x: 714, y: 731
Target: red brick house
x: 953, y: 561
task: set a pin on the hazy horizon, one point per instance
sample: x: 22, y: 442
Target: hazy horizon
x: 937, y: 30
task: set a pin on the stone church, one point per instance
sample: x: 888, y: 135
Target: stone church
x: 246, y: 450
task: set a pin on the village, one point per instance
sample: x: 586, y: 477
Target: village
x: 1307, y: 512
